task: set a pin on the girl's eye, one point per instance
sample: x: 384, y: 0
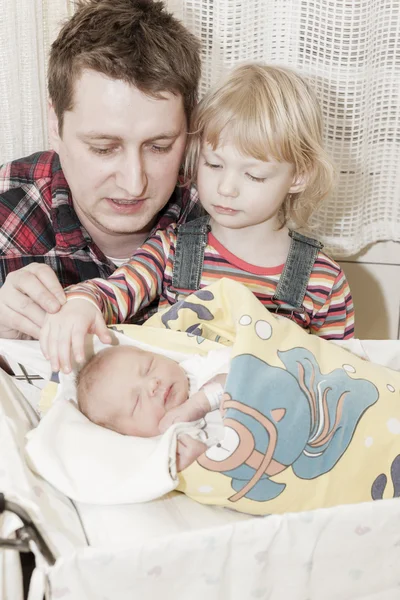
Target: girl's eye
x: 212, y: 165
x: 161, y: 149
x: 258, y: 179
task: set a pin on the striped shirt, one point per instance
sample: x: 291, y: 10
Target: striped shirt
x: 328, y: 305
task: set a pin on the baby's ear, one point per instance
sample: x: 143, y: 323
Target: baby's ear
x: 299, y: 183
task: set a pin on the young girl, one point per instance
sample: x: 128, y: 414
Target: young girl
x: 256, y: 155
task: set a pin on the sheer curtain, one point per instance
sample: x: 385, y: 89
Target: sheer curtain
x: 350, y: 51
x: 27, y: 29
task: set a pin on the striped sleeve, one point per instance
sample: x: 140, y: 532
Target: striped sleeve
x: 133, y: 286
x: 335, y: 319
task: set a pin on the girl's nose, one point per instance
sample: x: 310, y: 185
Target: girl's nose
x: 227, y: 186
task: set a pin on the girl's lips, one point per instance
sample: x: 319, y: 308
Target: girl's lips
x: 224, y: 210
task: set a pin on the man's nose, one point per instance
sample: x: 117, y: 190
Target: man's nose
x: 227, y: 185
x: 131, y: 175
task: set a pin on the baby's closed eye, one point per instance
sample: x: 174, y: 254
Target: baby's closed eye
x: 149, y: 367
x: 135, y: 402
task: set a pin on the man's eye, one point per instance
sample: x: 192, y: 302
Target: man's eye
x: 101, y: 151
x: 212, y: 165
x: 161, y: 149
x: 259, y: 179
x: 149, y: 366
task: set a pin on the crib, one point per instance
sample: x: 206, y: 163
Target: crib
x: 174, y: 548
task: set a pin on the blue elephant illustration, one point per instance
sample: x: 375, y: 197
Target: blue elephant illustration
x: 279, y: 417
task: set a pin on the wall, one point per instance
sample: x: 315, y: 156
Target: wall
x: 374, y: 278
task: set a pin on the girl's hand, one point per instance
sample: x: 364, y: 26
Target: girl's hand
x: 66, y: 331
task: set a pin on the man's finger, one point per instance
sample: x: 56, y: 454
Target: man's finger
x: 11, y: 321
x: 50, y: 281
x: 22, y: 306
x: 35, y: 291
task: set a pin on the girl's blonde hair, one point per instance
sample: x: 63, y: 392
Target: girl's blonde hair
x: 269, y: 112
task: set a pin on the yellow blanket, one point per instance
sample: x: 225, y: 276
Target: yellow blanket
x: 307, y: 424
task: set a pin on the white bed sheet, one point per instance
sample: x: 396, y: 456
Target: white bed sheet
x: 346, y: 553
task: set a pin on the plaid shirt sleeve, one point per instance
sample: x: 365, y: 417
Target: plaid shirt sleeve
x: 39, y: 224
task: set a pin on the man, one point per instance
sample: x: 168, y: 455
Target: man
x: 123, y: 77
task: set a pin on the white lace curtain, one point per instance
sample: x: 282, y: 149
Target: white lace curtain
x: 350, y: 51
x: 27, y: 29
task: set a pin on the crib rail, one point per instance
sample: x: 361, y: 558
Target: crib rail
x: 26, y: 534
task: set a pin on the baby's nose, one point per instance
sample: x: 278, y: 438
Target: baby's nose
x: 154, y: 385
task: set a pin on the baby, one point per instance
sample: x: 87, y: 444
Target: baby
x: 139, y: 393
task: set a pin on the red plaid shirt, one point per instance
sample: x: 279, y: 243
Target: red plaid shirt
x: 39, y: 224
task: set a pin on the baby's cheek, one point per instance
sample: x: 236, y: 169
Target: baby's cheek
x: 159, y: 414
x: 181, y: 395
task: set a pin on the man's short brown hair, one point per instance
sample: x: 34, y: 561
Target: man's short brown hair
x: 136, y: 41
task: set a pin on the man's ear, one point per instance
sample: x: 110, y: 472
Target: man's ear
x: 54, y: 133
x: 299, y: 184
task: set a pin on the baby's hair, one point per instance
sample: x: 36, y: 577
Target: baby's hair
x: 85, y: 383
x: 269, y: 112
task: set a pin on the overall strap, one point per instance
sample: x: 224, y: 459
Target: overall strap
x: 191, y: 242
x: 293, y: 282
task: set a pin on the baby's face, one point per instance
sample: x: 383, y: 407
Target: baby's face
x: 137, y: 389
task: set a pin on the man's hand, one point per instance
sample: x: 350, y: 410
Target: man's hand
x: 64, y: 333
x: 187, y: 451
x: 25, y: 298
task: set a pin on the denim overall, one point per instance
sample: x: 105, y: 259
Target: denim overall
x: 292, y: 285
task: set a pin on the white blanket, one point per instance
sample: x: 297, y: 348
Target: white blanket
x: 94, y: 465
x: 89, y: 463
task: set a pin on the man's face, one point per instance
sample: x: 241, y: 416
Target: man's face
x: 120, y: 151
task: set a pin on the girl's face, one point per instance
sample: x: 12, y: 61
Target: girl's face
x: 240, y: 191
